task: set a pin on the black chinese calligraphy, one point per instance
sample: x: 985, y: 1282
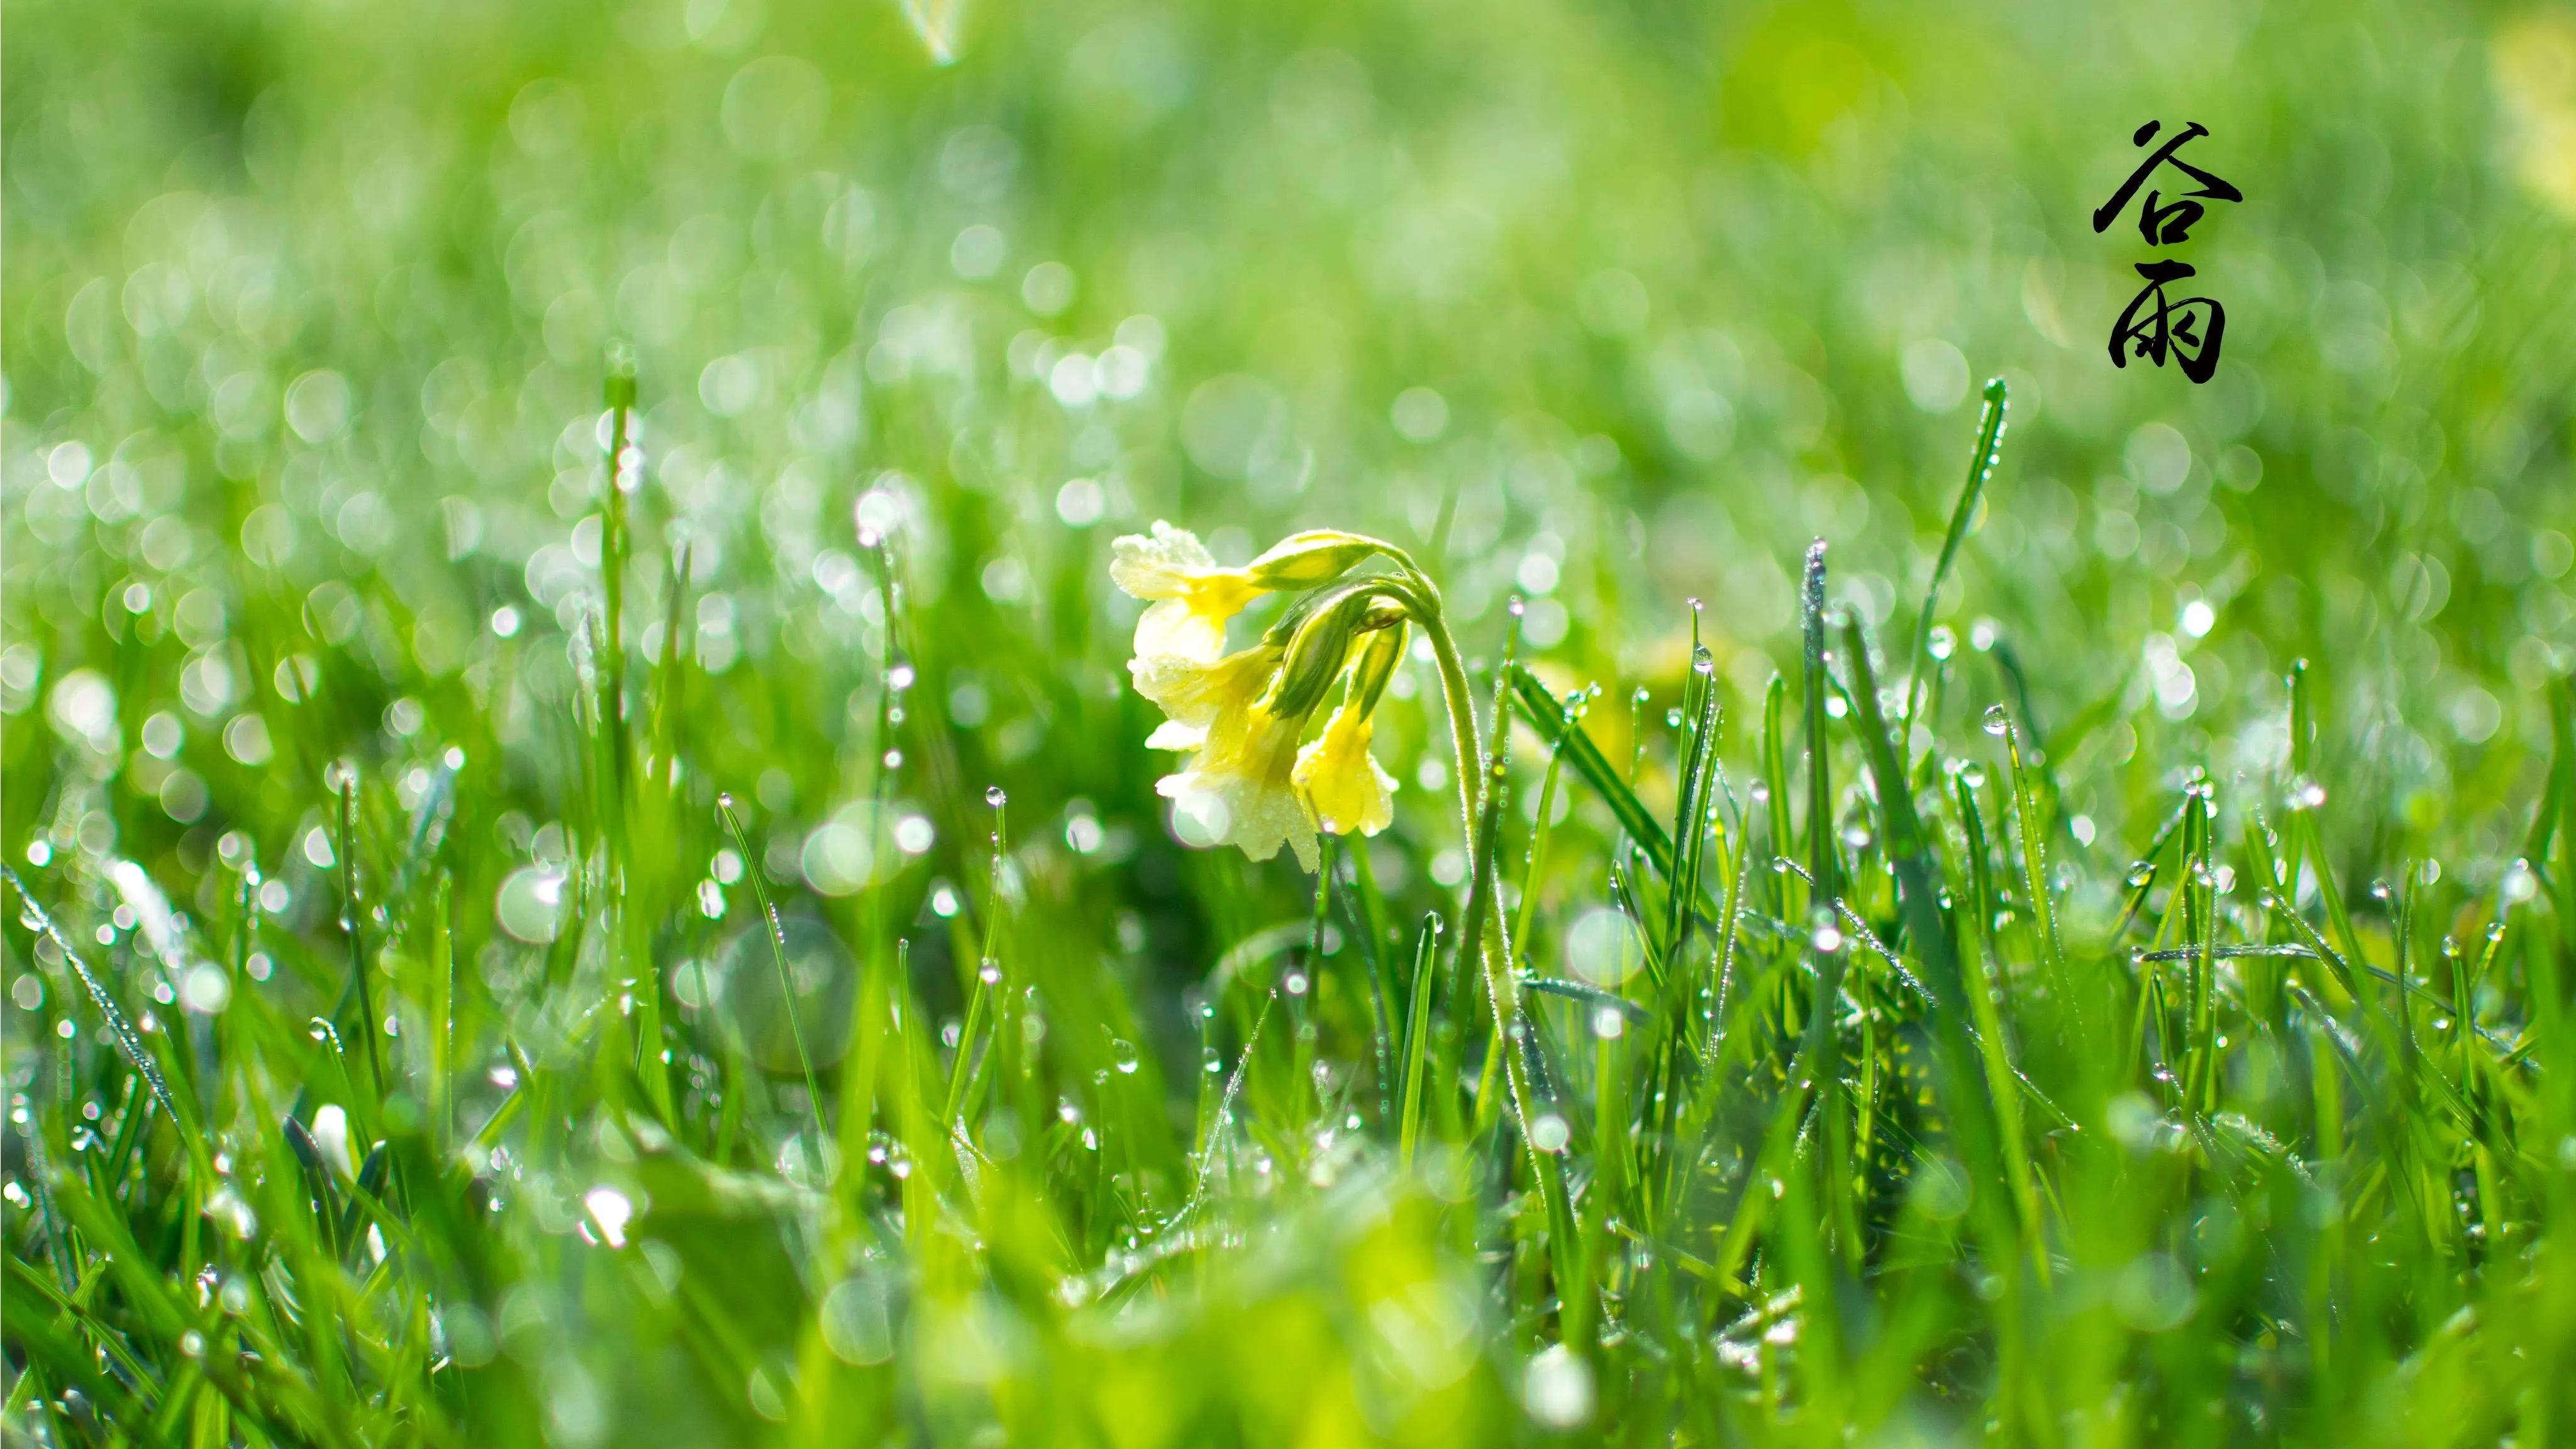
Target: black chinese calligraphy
x: 2170, y: 222
x: 2155, y: 326
x: 2190, y: 328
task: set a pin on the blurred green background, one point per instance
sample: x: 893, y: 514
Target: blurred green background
x: 308, y: 305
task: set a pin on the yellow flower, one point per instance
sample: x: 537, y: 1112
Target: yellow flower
x: 1238, y: 790
x: 1195, y: 694
x: 1192, y: 595
x: 1346, y: 787
x: 1343, y: 784
x: 1243, y: 713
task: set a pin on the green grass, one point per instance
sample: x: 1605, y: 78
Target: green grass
x: 586, y: 870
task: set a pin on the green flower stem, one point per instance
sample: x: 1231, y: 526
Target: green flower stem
x: 1486, y: 933
x: 1485, y: 930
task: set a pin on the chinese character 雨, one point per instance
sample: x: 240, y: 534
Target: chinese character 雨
x: 2190, y: 328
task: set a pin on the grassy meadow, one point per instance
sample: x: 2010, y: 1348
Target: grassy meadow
x: 584, y: 610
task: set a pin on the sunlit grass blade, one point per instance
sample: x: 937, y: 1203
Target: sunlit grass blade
x: 1567, y: 739
x: 1417, y: 1034
x: 1919, y: 890
x: 1981, y: 467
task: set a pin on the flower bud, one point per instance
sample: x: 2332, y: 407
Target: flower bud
x: 1317, y: 650
x: 1378, y: 657
x: 1306, y: 560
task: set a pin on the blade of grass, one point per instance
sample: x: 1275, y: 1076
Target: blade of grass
x: 1819, y: 1060
x: 1981, y: 466
x: 1972, y: 1111
x: 1548, y: 717
x: 1417, y: 1034
x: 776, y: 931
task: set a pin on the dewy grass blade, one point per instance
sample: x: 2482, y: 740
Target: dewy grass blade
x: 1541, y: 826
x: 1692, y: 807
x: 350, y: 926
x: 1567, y: 737
x: 1820, y: 1056
x: 1365, y: 913
x: 1909, y: 850
x: 776, y: 931
x: 2036, y: 887
x: 1981, y: 467
x: 34, y: 916
x: 1417, y: 1034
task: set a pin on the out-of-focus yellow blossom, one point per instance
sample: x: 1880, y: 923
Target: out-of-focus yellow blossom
x: 1192, y: 595
x: 1344, y: 785
x: 2535, y: 71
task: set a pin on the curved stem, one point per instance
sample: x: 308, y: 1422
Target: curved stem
x: 1466, y: 741
x: 1483, y: 923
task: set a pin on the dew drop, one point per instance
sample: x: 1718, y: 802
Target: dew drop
x: 996, y: 796
x: 1997, y: 722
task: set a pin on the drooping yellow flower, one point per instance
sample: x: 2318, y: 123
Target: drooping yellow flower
x: 1244, y: 712
x: 1238, y: 790
x: 1344, y: 785
x: 1195, y: 694
x: 1192, y: 594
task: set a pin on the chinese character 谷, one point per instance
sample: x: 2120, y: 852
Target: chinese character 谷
x: 2170, y: 223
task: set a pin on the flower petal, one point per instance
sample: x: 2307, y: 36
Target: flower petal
x: 1343, y: 785
x: 1157, y: 566
x: 1171, y: 628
